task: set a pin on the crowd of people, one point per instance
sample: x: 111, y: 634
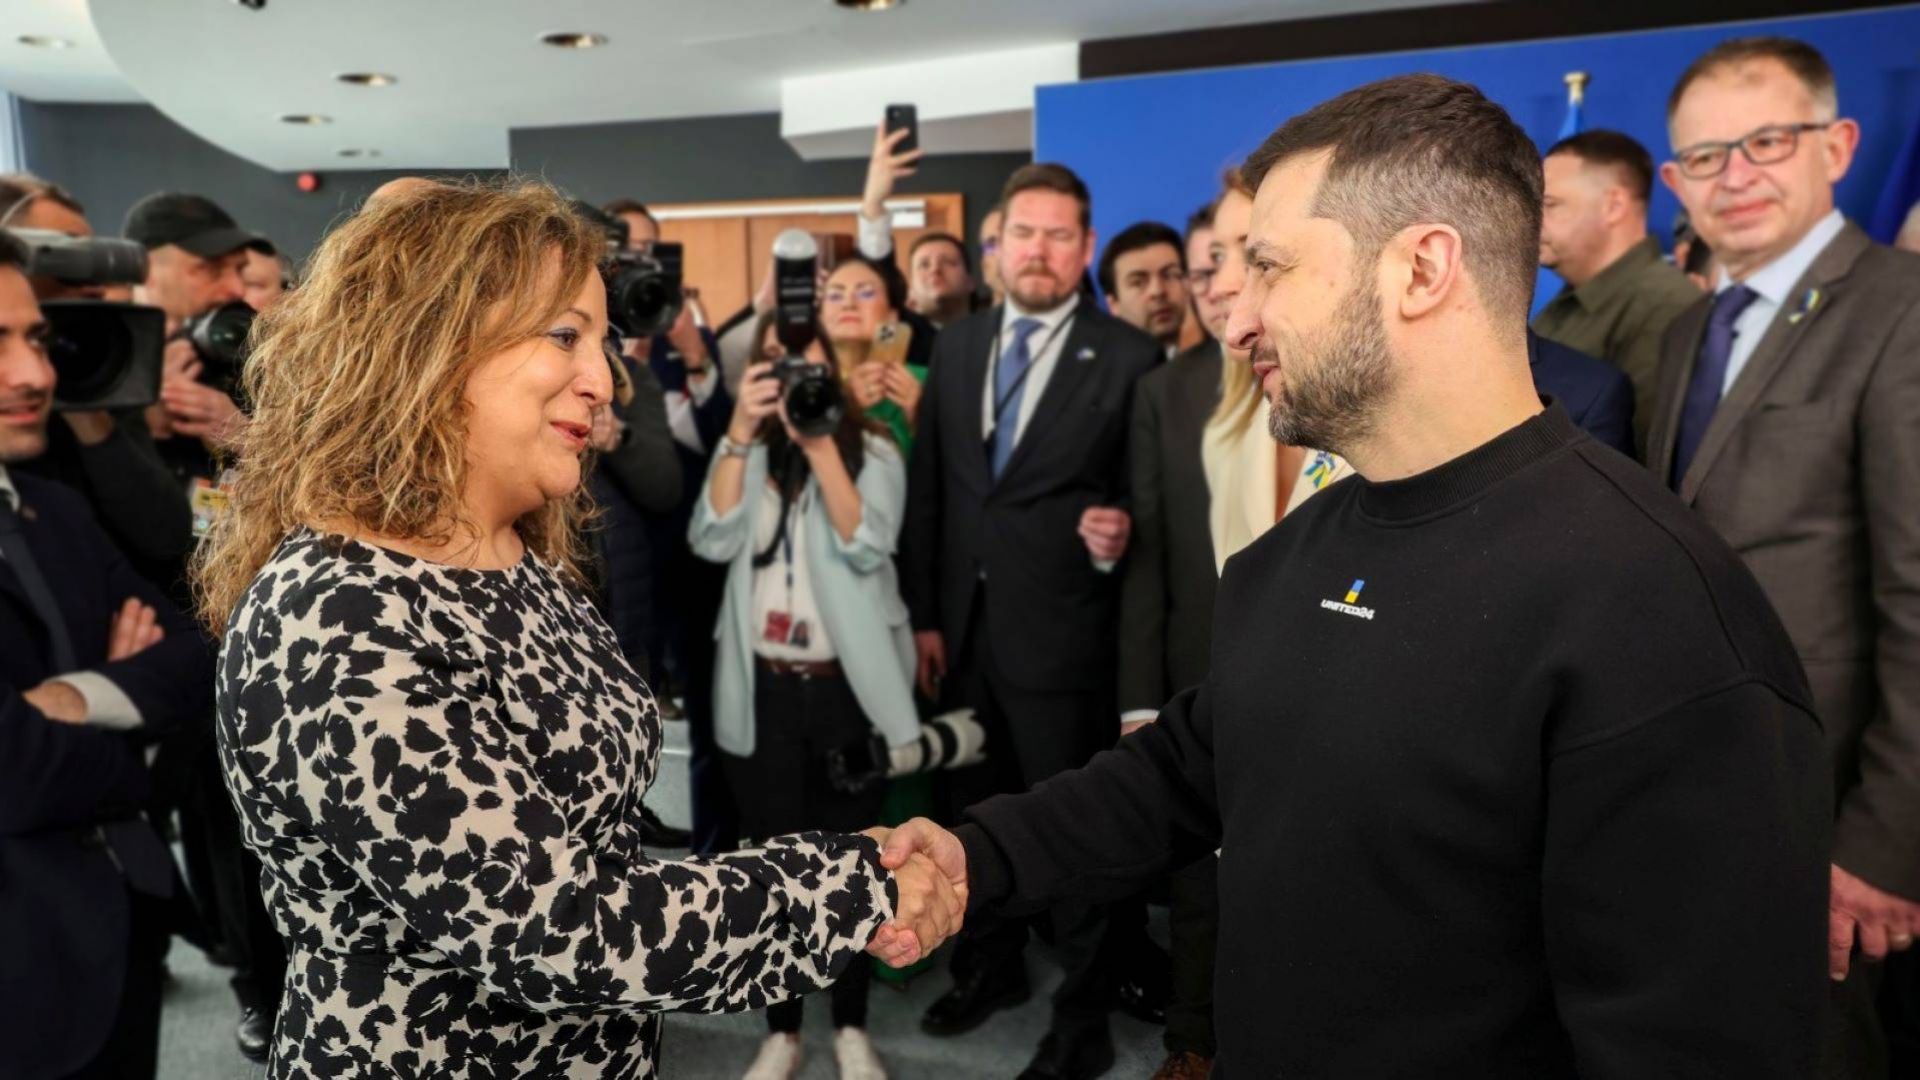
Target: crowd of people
x: 1483, y: 692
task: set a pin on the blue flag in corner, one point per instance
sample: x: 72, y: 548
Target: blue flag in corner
x: 1901, y: 192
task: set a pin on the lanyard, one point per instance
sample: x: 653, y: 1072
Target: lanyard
x: 1033, y: 360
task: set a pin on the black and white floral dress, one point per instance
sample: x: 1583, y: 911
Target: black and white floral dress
x: 441, y: 770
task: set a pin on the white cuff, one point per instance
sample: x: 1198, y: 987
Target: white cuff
x: 108, y: 706
x: 701, y: 384
x: 1105, y: 566
x: 680, y: 422
x: 874, y: 236
x: 1136, y: 716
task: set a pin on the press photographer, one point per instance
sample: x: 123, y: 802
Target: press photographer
x: 108, y: 359
x: 803, y: 505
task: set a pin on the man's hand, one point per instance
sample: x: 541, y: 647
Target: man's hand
x: 884, y: 169
x: 687, y: 341
x: 58, y: 701
x: 136, y: 628
x: 91, y: 427
x: 1882, y: 921
x: 198, y: 410
x: 922, y: 837
x: 931, y: 650
x: 1105, y: 530
x: 927, y: 910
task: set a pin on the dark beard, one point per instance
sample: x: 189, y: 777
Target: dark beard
x: 1338, y: 378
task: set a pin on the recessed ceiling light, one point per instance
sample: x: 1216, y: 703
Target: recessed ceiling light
x: 366, y: 78
x: 869, y: 5
x: 356, y: 152
x: 310, y: 119
x: 572, y: 40
x: 44, y: 41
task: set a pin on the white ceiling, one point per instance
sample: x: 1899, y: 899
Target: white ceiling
x: 470, y: 70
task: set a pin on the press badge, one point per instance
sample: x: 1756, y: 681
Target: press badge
x: 209, y: 501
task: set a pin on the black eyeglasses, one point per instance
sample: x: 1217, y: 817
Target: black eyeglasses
x: 1769, y: 145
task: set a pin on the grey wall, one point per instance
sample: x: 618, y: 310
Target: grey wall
x: 728, y: 157
x: 110, y: 156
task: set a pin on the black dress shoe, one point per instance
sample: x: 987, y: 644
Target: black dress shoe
x: 657, y: 833
x: 974, y: 997
x: 1071, y: 1057
x: 255, y: 1034
x: 1142, y: 998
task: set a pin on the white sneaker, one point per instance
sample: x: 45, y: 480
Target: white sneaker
x: 854, y: 1053
x: 779, y: 1059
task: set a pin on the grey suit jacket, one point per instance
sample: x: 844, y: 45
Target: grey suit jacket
x: 1166, y: 599
x: 1811, y: 470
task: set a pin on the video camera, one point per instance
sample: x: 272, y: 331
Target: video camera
x: 105, y: 354
x: 645, y: 289
x: 219, y: 339
x: 811, y: 391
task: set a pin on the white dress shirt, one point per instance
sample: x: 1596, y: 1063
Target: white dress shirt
x: 1049, y: 339
x: 107, y: 704
x: 1772, y: 285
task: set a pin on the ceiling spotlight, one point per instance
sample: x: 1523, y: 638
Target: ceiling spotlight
x: 356, y: 152
x: 43, y: 41
x: 869, y: 5
x: 568, y: 40
x: 309, y: 119
x: 366, y: 78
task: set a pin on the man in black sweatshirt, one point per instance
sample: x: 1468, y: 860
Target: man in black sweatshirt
x: 1511, y: 765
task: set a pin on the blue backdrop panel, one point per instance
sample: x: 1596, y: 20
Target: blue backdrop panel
x: 1153, y: 146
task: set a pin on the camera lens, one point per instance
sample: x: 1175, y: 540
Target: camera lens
x: 813, y: 399
x: 89, y: 357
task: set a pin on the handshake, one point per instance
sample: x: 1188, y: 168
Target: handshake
x: 930, y: 876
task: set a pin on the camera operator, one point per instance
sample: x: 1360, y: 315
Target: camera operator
x: 108, y: 456
x: 264, y: 279
x: 195, y: 253
x: 94, y: 664
x: 803, y: 505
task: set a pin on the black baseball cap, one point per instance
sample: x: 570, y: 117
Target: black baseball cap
x: 190, y: 222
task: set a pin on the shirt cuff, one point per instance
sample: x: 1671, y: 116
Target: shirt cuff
x: 1105, y: 566
x: 680, y: 422
x: 1135, y: 716
x: 875, y: 235
x: 108, y: 706
x: 701, y: 384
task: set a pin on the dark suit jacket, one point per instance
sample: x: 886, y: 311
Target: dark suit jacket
x: 1597, y: 395
x: 1811, y: 470
x: 1052, y: 616
x: 63, y: 905
x: 1166, y: 616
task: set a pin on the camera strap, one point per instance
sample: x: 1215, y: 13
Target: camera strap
x: 1033, y: 360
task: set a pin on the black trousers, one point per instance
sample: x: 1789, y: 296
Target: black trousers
x: 1032, y: 735
x: 1194, y: 929
x: 237, y: 908
x: 689, y: 590
x: 132, y: 1048
x: 783, y: 788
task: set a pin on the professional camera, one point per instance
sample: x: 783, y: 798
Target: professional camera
x: 644, y: 289
x: 952, y: 740
x: 219, y: 338
x: 82, y: 260
x: 811, y: 391
x: 105, y: 355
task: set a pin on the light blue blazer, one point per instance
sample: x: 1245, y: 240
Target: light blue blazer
x: 854, y: 585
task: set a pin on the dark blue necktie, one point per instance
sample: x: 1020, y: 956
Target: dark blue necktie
x: 1709, y: 376
x: 1009, y: 386
x: 19, y: 558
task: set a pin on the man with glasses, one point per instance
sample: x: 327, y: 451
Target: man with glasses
x: 1787, y: 417
x: 1143, y: 275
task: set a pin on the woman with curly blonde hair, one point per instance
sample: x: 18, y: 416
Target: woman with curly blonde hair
x: 435, y: 745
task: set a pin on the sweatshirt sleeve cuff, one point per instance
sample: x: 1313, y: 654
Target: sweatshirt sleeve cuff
x: 989, y: 878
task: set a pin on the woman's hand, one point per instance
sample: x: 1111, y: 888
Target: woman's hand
x: 928, y: 910
x: 902, y: 389
x: 868, y: 384
x: 884, y: 169
x: 759, y: 398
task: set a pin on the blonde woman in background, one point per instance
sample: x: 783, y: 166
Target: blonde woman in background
x: 1254, y: 480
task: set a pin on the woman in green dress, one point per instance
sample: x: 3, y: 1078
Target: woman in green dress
x: 859, y: 300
